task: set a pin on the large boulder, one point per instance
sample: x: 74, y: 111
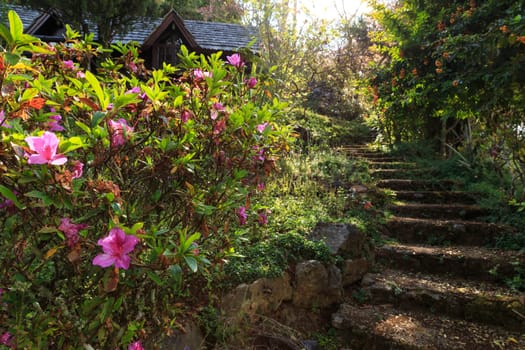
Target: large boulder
x: 316, y: 285
x: 260, y: 297
x: 342, y: 239
x: 353, y: 270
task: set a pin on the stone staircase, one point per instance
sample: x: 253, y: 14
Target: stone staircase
x: 436, y: 285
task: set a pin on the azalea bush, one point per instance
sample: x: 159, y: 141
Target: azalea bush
x: 122, y: 190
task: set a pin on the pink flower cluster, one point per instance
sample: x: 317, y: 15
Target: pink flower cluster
x: 44, y: 150
x: 116, y: 247
x: 235, y: 60
x: 120, y: 131
x: 71, y: 231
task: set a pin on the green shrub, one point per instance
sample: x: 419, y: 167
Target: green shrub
x: 118, y: 186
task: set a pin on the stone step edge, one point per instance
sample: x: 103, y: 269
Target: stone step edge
x: 479, y: 263
x: 384, y: 327
x: 454, y: 297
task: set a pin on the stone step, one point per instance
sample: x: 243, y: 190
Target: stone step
x: 378, y: 164
x: 445, y: 232
x: 476, y: 263
x: 380, y: 158
x: 438, y: 211
x: 436, y: 196
x: 413, y: 185
x: 384, y: 327
x: 375, y: 155
x: 457, y: 298
x: 399, y: 173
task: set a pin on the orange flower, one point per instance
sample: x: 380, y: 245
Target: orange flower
x: 446, y: 55
x: 2, y: 66
x: 367, y: 205
x: 439, y: 70
x: 414, y: 72
x: 504, y: 29
x: 438, y: 63
x: 521, y: 39
x: 455, y: 83
x: 37, y: 103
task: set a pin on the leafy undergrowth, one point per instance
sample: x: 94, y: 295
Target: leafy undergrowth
x: 312, y: 186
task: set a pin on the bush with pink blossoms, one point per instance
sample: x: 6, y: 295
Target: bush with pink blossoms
x: 111, y: 177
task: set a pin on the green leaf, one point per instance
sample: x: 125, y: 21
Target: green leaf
x: 7, y: 193
x: 192, y: 263
x: 41, y: 195
x: 6, y: 34
x: 124, y: 100
x: 176, y: 272
x: 187, y: 243
x: 29, y: 94
x: 83, y: 126
x: 97, y: 88
x: 155, y: 278
x: 96, y: 118
x: 71, y: 144
x: 16, y: 27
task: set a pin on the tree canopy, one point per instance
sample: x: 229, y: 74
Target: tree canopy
x: 453, y: 72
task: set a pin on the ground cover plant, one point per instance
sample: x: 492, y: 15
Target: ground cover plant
x: 121, y: 189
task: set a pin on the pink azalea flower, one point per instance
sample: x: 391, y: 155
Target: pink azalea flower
x: 78, y: 169
x: 69, y: 64
x: 262, y: 127
x: 216, y: 108
x: 185, y: 116
x: 133, y: 90
x: 133, y: 67
x: 6, y: 338
x: 116, y: 246
x: 44, y: 148
x: 54, y: 123
x: 260, y: 186
x: 3, y: 121
x: 81, y: 75
x: 235, y: 60
x: 251, y: 82
x: 120, y: 131
x: 136, y: 346
x: 71, y: 231
x: 259, y: 154
x: 263, y: 217
x: 242, y: 215
x: 199, y: 74
x: 219, y: 127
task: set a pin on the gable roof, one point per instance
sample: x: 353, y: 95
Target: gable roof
x: 26, y: 14
x: 199, y: 35
x: 211, y: 36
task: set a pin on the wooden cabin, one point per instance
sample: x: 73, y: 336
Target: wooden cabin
x: 159, y: 38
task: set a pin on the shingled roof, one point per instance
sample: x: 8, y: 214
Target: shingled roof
x: 210, y: 36
x: 27, y: 15
x: 207, y: 36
